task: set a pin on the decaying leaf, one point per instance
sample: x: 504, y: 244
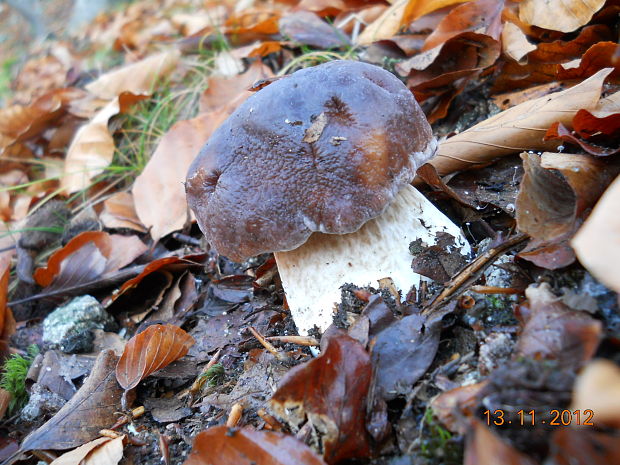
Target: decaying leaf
x: 119, y: 212
x: 91, y: 409
x: 554, y: 331
x: 514, y: 42
x: 87, y: 257
x: 152, y: 349
x: 517, y: 129
x: 247, y: 446
x: 597, y: 243
x: 7, y: 322
x: 559, y: 15
x: 335, y: 402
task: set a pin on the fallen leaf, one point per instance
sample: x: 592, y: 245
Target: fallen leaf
x: 599, y: 56
x: 119, y: 212
x: 484, y: 447
x: 554, y: 331
x: 91, y: 409
x: 401, y: 354
x: 109, y: 453
x: 137, y: 78
x: 246, y: 446
x: 515, y: 43
x: 598, y: 389
x: 5, y: 400
x: 335, y: 402
x: 152, y: 349
x: 559, y: 132
x: 517, y: 129
x: 87, y: 257
x: 555, y: 195
x: 583, y: 446
x: 597, y: 243
x: 78, y: 454
x: 399, y: 15
x: 304, y: 27
x: 455, y: 408
x: 559, y: 15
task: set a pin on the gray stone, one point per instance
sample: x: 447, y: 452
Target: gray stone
x: 66, y: 326
x: 41, y: 404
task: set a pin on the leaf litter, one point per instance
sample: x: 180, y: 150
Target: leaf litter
x: 95, y: 143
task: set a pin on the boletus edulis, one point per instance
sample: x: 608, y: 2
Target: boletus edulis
x: 316, y: 167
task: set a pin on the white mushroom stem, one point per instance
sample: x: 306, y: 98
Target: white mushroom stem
x: 313, y: 273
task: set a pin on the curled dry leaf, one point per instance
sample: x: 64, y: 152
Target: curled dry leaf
x: 247, y: 446
x: 514, y: 42
x: 154, y: 348
x: 519, y: 128
x: 119, y: 212
x: 87, y: 257
x: 597, y: 243
x: 335, y: 402
x: 101, y: 451
x: 559, y: 15
x: 598, y: 389
x: 398, y: 15
x: 91, y: 409
x: 555, y: 195
x: 554, y: 331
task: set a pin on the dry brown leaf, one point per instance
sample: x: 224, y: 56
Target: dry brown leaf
x: 598, y: 389
x: 109, y: 453
x: 517, y: 129
x: 417, y: 8
x: 226, y: 446
x: 597, y: 243
x: 78, y: 454
x: 559, y: 15
x: 7, y: 322
x: 111, y: 252
x: 136, y: 78
x: 119, y: 211
x: 5, y: 399
x: 515, y: 43
x: 91, y: 151
x: 154, y: 348
x: 91, y: 409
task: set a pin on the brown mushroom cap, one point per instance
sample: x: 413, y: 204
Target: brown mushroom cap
x: 325, y: 149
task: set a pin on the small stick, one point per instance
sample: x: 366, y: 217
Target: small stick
x: 108, y: 433
x: 299, y: 340
x: 472, y: 271
x: 164, y: 447
x: 201, y: 379
x: 267, y: 345
x: 235, y: 415
x: 126, y: 418
x: 495, y: 290
x: 270, y: 421
x: 185, y: 239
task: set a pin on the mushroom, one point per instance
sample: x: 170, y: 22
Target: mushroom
x: 316, y: 167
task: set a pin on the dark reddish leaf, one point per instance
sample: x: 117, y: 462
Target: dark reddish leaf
x: 554, y: 331
x: 485, y: 448
x: 87, y: 257
x: 586, y: 124
x: 597, y: 57
x: 224, y: 446
x: 584, y: 446
x: 335, y: 400
x: 455, y: 408
x: 154, y: 348
x: 559, y: 131
x: 91, y: 409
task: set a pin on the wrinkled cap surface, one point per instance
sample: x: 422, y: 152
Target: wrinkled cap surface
x: 325, y: 149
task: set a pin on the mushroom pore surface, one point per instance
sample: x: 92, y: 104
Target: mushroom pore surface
x: 325, y: 149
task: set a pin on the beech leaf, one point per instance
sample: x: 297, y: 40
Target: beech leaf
x: 246, y: 446
x: 559, y: 15
x: 519, y: 128
x: 154, y: 348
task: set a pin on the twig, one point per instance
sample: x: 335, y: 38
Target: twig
x: 472, y: 272
x: 281, y: 357
x: 299, y: 340
x: 235, y: 415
